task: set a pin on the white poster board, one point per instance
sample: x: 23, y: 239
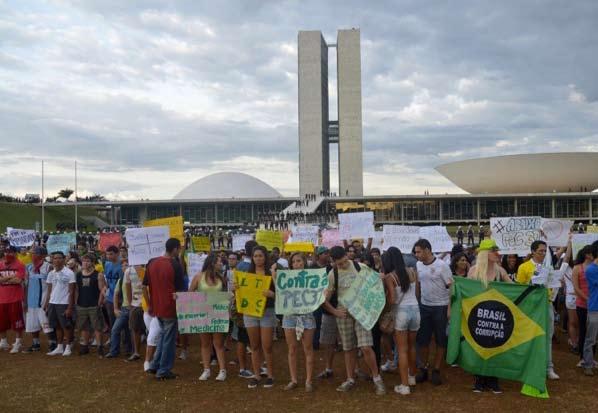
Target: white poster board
x: 239, y: 241
x: 556, y: 231
x: 401, y: 236
x: 514, y: 235
x: 146, y: 243
x: 20, y: 237
x: 356, y: 225
x: 378, y: 240
x: 194, y: 264
x: 438, y: 236
x: 578, y: 241
x: 305, y: 233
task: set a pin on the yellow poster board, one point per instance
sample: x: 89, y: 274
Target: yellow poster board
x: 591, y: 229
x: 201, y: 244
x: 175, y: 224
x: 306, y: 247
x: 269, y: 239
x: 249, y: 294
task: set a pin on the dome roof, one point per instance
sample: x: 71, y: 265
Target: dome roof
x: 228, y: 185
x: 527, y: 173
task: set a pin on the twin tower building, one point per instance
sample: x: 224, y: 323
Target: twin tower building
x: 316, y: 130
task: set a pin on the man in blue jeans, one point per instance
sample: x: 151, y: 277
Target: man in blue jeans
x: 163, y: 278
x: 591, y: 274
x: 121, y: 322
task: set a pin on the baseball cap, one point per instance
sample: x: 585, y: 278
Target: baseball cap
x: 321, y: 250
x: 488, y: 245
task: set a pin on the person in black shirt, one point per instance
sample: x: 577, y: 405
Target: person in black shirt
x: 90, y: 284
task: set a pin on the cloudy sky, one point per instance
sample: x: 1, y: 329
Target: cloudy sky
x: 150, y: 95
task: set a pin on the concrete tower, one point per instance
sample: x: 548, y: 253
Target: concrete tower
x: 316, y: 131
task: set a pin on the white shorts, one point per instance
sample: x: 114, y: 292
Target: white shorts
x: 153, y: 329
x: 570, y: 302
x: 36, y: 320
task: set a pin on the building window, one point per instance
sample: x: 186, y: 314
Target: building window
x: 458, y: 210
x: 572, y: 208
x: 496, y: 208
x: 534, y: 207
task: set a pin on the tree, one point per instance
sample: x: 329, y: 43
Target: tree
x: 65, y: 193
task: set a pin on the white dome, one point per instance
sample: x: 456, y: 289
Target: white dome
x: 228, y: 185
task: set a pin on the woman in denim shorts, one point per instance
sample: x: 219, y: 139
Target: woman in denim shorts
x: 299, y: 327
x: 260, y: 329
x: 407, y: 317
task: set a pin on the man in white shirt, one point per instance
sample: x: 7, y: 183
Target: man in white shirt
x: 60, y: 302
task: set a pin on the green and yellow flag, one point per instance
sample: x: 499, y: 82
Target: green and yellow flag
x: 499, y: 331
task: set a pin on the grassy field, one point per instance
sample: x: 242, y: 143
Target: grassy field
x: 25, y: 216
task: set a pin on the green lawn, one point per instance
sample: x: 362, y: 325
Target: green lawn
x: 25, y: 216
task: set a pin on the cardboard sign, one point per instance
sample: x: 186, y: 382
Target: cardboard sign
x: 202, y: 312
x: 401, y: 236
x: 175, y: 225
x: 300, y: 291
x: 556, y: 231
x: 306, y: 247
x: 146, y: 243
x: 194, y: 264
x: 201, y: 244
x: 514, y: 235
x: 269, y: 239
x: 20, y: 237
x: 592, y: 229
x: 239, y: 241
x: 331, y: 238
x: 108, y: 239
x: 249, y: 295
x: 305, y: 233
x: 578, y: 241
x: 365, y: 298
x: 61, y: 242
x: 438, y: 236
x: 356, y: 225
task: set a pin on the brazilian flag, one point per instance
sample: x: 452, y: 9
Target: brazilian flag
x: 499, y: 331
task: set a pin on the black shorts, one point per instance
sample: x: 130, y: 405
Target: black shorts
x: 56, y: 317
x: 434, y: 320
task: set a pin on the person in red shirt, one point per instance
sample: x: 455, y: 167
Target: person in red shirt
x: 12, y: 277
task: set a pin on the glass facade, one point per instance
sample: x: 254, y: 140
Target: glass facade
x: 496, y: 208
x: 534, y: 207
x: 425, y: 210
x: 459, y: 210
x: 572, y: 208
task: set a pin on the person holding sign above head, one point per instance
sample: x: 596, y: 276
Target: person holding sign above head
x: 299, y: 327
x: 209, y: 280
x: 487, y: 269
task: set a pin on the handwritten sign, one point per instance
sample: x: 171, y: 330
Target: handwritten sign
x: 401, y: 236
x: 438, y: 236
x: 356, y: 225
x: 146, y: 243
x: 202, y: 312
x: 20, y: 237
x: 556, y: 231
x: 514, y: 235
x: 201, y: 244
x: 175, y: 225
x: 269, y: 239
x: 331, y: 238
x: 306, y: 247
x: 194, y: 264
x: 249, y: 296
x: 61, y: 242
x: 578, y: 241
x: 108, y: 239
x: 239, y: 241
x: 300, y: 291
x: 364, y: 299
x: 592, y: 229
x: 305, y: 233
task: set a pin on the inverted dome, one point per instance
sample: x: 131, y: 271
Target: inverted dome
x: 527, y: 173
x: 228, y: 185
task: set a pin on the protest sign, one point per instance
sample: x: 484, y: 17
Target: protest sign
x: 592, y: 229
x: 146, y: 243
x: 378, y: 240
x: 202, y: 312
x: 331, y: 238
x: 578, y: 241
x: 439, y: 238
x: 249, y: 295
x: 109, y: 238
x: 556, y: 231
x: 356, y: 225
x: 20, y: 237
x: 269, y: 239
x: 175, y: 225
x: 300, y: 291
x: 401, y: 236
x: 61, y: 242
x: 306, y: 247
x: 305, y: 233
x: 201, y: 244
x: 239, y: 241
x: 194, y: 264
x: 514, y: 235
x: 364, y: 299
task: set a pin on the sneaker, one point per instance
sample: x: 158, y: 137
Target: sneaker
x: 421, y: 376
x: 402, y: 390
x: 346, y: 386
x: 326, y: 374
x: 67, y: 351
x: 4, y: 345
x: 146, y: 365
x: 214, y: 362
x: 56, y: 352
x: 579, y: 363
x: 494, y: 387
x: 111, y: 356
x: 380, y: 388
x: 588, y: 372
x: 435, y: 379
x: 221, y: 375
x: 134, y: 357
x: 269, y: 382
x: 309, y: 387
x: 388, y: 366
x: 83, y: 350
x: 291, y: 386
x: 205, y: 375
x: 478, y: 385
x: 34, y: 348
x: 253, y: 383
x: 52, y: 346
x: 101, y: 352
x: 552, y: 375
x: 168, y: 376
x: 94, y: 343
x: 16, y: 348
x: 411, y: 380
x: 263, y: 372
x: 183, y: 355
x: 246, y: 374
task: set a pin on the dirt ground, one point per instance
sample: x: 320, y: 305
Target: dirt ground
x: 38, y: 383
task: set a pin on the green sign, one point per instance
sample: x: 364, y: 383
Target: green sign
x: 300, y: 291
x: 365, y: 299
